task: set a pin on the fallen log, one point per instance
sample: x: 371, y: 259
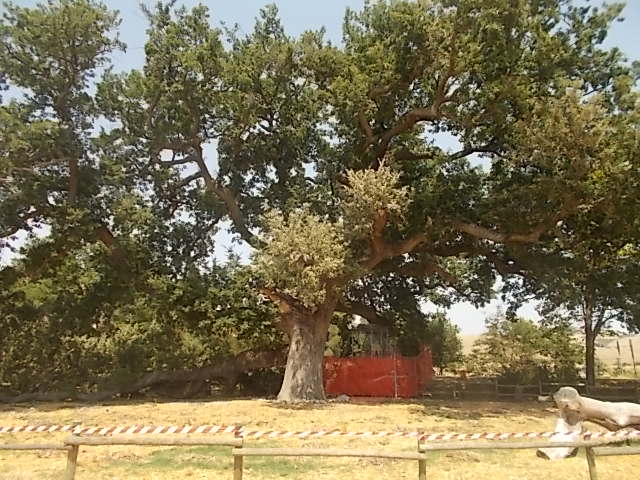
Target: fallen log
x: 575, y: 409
x: 181, y: 383
x: 227, y: 370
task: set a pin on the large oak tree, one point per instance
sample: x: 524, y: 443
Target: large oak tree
x: 329, y: 161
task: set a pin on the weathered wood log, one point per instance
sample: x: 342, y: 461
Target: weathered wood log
x: 514, y: 444
x: 33, y: 446
x: 183, y: 383
x: 324, y: 452
x: 53, y: 396
x: 238, y: 466
x: 575, y: 409
x: 227, y: 369
x: 591, y: 462
x: 72, y: 463
x: 564, y: 433
x: 615, y: 451
x: 611, y: 415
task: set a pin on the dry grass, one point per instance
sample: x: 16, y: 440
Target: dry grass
x: 151, y: 463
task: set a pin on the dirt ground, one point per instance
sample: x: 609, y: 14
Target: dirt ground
x: 155, y: 463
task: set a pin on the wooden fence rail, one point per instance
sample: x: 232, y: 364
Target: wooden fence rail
x: 592, y: 453
x: 588, y: 445
x: 72, y: 454
x: 423, y: 448
x: 515, y: 445
x: 154, y: 440
x: 324, y: 452
x: 491, y: 387
x: 74, y: 442
x: 239, y: 452
x: 34, y: 446
x: 609, y: 451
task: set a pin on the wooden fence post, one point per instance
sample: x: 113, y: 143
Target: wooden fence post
x: 72, y: 461
x: 422, y: 470
x: 591, y: 461
x: 238, y: 465
x: 422, y: 465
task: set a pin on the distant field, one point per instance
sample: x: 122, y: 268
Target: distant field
x: 606, y: 349
x: 172, y: 463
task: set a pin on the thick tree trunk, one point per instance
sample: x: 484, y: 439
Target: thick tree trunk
x: 589, y: 340
x: 74, y: 180
x: 590, y: 357
x: 303, y: 377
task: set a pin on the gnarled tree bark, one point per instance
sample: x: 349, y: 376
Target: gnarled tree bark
x: 307, y: 330
x: 303, y: 379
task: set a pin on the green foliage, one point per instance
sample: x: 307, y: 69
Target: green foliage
x: 53, y: 54
x: 590, y: 276
x: 55, y: 49
x: 407, y: 338
x: 602, y: 369
x: 301, y: 254
x: 76, y: 325
x: 443, y: 338
x: 327, y: 160
x: 523, y: 352
x: 369, y: 192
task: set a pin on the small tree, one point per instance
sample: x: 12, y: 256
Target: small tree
x: 589, y: 283
x: 443, y: 337
x: 72, y: 323
x: 521, y: 351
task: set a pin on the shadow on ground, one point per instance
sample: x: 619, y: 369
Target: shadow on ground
x: 476, y: 410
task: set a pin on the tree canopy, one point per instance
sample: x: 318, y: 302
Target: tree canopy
x: 325, y: 159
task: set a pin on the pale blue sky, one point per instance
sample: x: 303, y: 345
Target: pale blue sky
x: 298, y: 16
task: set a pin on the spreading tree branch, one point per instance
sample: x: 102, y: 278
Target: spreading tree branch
x: 381, y: 249
x: 174, y: 162
x: 533, y: 236
x: 406, y: 123
x: 365, y: 311
x: 366, y: 128
x: 408, y: 245
x: 377, y: 92
x: 422, y: 268
x: 465, y: 152
x: 285, y: 302
x: 118, y: 253
x: 74, y: 180
x: 431, y: 113
x: 228, y: 198
x: 188, y: 179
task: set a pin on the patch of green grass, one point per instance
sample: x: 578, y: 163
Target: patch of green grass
x: 282, y: 466
x: 469, y: 456
x: 171, y: 459
x: 214, y: 459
